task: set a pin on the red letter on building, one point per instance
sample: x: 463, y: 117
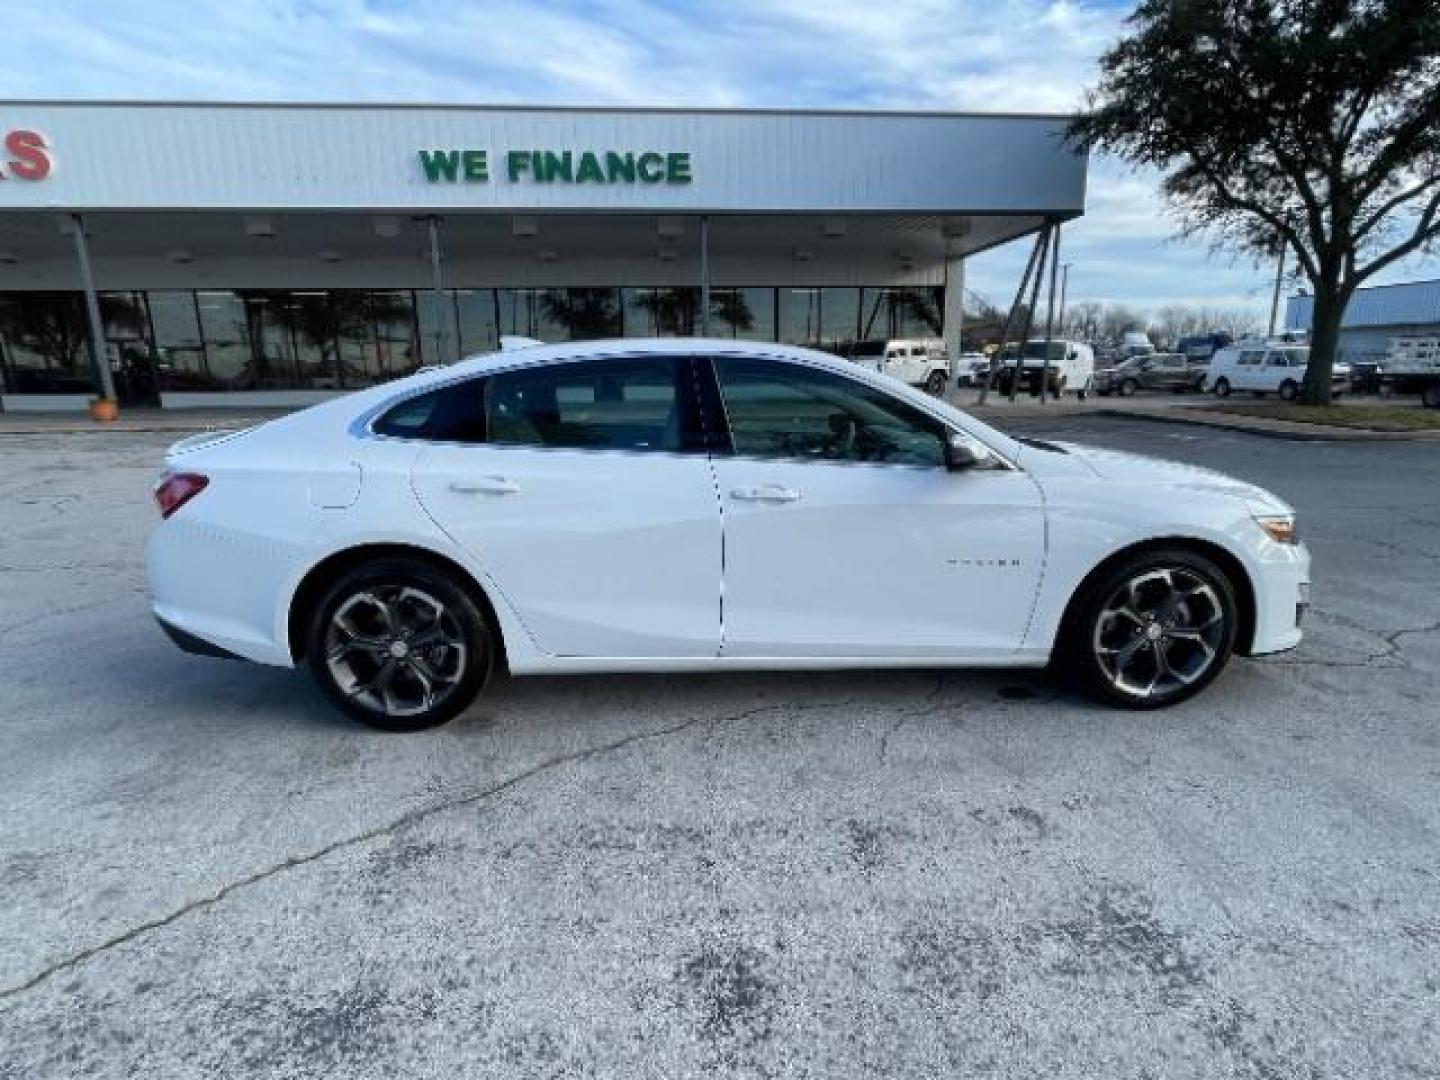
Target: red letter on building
x: 29, y: 157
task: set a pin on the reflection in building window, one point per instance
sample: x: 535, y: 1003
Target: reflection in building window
x: 579, y: 314
x: 663, y: 312
x: 43, y: 346
x: 747, y: 313
x: 179, y: 349
x: 800, y: 316
x: 226, y: 327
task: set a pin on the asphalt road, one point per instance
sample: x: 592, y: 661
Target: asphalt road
x: 205, y: 872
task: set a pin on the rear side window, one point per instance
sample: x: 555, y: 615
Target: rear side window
x: 643, y: 403
x: 454, y: 413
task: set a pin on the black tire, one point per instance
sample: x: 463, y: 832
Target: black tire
x: 1128, y: 388
x: 420, y: 603
x: 1430, y: 396
x: 936, y: 382
x: 1289, y: 390
x: 1222, y: 387
x: 1093, y: 636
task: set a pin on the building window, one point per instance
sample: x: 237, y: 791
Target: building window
x: 578, y: 314
x: 746, y: 313
x: 479, y: 321
x: 839, y: 318
x: 663, y: 312
x: 43, y: 346
x: 902, y: 311
x: 225, y: 325
x: 800, y: 316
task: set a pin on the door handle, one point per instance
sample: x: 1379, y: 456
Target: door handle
x: 486, y: 485
x: 767, y: 493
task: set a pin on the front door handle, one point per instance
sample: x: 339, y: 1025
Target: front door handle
x: 766, y: 493
x: 485, y: 485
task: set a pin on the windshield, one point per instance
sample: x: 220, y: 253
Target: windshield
x: 866, y: 348
x: 1035, y: 350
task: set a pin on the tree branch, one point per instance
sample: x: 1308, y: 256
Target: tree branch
x: 1264, y: 213
x: 1391, y: 205
x: 1426, y: 229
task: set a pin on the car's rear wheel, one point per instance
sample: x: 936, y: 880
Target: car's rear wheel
x: 1128, y: 388
x: 1289, y: 390
x: 1151, y: 631
x: 400, y: 645
x: 936, y: 382
x: 1222, y: 387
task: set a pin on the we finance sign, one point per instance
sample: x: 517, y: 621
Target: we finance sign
x: 462, y: 166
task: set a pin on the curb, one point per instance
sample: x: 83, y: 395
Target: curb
x: 1273, y: 429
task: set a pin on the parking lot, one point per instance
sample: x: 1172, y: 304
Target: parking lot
x: 205, y: 871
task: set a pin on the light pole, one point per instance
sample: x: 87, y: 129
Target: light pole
x: 1275, y: 298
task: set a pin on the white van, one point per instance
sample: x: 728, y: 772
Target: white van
x: 1266, y: 367
x: 1072, y: 368
x: 917, y: 361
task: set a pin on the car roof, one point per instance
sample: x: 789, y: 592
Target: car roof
x: 620, y: 348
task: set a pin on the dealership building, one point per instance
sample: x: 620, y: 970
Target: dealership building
x: 250, y: 255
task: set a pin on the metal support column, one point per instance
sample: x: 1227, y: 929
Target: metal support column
x: 1009, y: 317
x: 92, y: 310
x: 704, y: 275
x: 437, y: 280
x: 1050, y: 312
x: 952, y: 322
x: 1044, y: 244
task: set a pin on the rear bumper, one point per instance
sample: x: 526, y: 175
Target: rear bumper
x: 190, y: 643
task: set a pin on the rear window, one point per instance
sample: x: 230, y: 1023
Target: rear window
x: 454, y: 413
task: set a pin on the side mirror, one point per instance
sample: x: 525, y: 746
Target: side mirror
x: 963, y: 452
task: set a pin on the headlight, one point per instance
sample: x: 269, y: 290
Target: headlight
x: 1280, y: 528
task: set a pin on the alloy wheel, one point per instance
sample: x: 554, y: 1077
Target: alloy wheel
x: 1159, y: 632
x: 397, y: 650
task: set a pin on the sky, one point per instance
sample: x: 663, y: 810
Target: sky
x: 964, y: 55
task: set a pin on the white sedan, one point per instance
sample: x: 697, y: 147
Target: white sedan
x: 692, y: 505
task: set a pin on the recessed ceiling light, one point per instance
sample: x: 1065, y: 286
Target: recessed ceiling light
x: 331, y: 256
x: 387, y: 227
x: 547, y: 256
x: 667, y: 254
x: 834, y: 227
x: 803, y: 255
x: 8, y: 258
x: 262, y: 228
x: 525, y: 226
x: 670, y: 226
x: 181, y: 257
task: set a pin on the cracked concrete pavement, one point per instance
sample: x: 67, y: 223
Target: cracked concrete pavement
x: 205, y: 872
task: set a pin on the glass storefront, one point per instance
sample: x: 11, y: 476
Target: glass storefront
x: 336, y: 339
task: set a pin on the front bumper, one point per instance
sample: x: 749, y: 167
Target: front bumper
x: 1282, y: 598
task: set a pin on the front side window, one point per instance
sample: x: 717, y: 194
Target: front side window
x: 780, y: 410
x: 644, y: 403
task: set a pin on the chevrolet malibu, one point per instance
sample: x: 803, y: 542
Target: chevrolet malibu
x: 685, y: 505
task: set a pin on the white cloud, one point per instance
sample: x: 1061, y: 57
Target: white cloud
x: 995, y: 55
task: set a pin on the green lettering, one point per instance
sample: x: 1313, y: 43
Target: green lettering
x: 677, y: 168
x: 619, y: 167
x: 651, y: 168
x: 589, y: 171
x: 557, y: 167
x: 440, y: 165
x: 477, y: 169
x: 516, y: 162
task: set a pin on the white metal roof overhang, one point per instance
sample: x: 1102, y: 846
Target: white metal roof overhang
x: 514, y: 183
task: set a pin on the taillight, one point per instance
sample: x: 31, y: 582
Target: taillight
x: 176, y: 489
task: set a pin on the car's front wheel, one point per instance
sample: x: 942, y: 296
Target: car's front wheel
x: 935, y: 383
x: 400, y: 645
x: 1151, y: 631
x: 1128, y: 388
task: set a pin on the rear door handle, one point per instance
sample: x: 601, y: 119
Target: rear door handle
x: 767, y: 493
x: 485, y: 485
